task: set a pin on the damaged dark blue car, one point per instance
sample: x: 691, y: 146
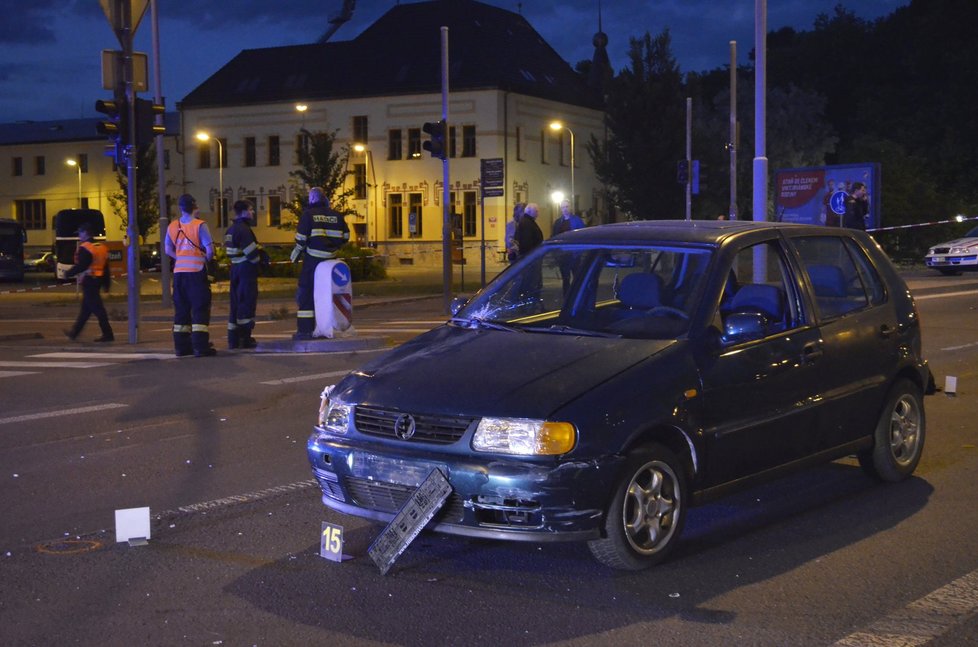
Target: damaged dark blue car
x: 620, y: 374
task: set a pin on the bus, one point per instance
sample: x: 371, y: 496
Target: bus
x: 12, y: 239
x: 66, y: 224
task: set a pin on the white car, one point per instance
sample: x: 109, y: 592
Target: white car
x: 956, y: 255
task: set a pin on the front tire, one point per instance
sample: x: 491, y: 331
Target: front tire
x: 646, y: 514
x: 899, y: 436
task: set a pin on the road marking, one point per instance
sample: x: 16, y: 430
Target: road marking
x: 62, y: 412
x: 54, y: 364
x: 16, y: 373
x: 106, y: 355
x: 389, y: 330
x: 306, y: 378
x: 923, y: 297
x: 239, y: 498
x: 922, y: 620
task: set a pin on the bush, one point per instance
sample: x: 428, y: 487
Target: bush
x: 364, y: 263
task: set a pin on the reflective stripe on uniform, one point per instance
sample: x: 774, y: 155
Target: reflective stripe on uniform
x: 306, y: 314
x: 232, y: 325
x: 181, y: 328
x: 244, y: 322
x: 319, y: 254
x: 198, y: 328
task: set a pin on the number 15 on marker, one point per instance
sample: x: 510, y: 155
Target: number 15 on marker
x: 331, y: 542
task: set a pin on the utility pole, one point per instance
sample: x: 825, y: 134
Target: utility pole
x: 734, y: 140
x: 689, y: 157
x: 161, y: 172
x: 446, y: 225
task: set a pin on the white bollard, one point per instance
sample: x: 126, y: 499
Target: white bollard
x: 333, y: 298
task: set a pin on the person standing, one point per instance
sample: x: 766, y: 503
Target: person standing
x: 319, y: 234
x: 857, y: 207
x: 528, y: 234
x: 189, y: 244
x: 567, y: 221
x: 512, y: 249
x: 245, y: 254
x: 92, y: 271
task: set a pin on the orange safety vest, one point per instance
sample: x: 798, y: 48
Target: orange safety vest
x: 100, y: 258
x: 191, y: 255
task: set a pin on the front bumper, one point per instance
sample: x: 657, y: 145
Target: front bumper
x: 946, y: 260
x: 492, y: 496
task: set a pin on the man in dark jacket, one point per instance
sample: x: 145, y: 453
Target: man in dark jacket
x: 528, y: 234
x: 857, y: 206
x: 245, y: 254
x: 320, y: 233
x: 92, y: 269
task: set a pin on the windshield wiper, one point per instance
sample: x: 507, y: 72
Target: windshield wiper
x: 571, y: 330
x: 475, y: 322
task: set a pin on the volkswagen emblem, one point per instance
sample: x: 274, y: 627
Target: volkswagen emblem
x: 404, y: 426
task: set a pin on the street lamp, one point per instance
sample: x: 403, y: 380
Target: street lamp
x: 368, y: 158
x: 71, y: 162
x: 203, y: 136
x: 559, y: 125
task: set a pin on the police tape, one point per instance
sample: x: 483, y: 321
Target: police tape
x: 925, y: 224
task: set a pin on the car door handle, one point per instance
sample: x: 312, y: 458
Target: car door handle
x: 886, y: 330
x: 811, y: 352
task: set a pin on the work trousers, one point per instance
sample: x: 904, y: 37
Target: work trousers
x: 191, y: 312
x: 244, y: 300
x: 91, y: 305
x: 305, y: 296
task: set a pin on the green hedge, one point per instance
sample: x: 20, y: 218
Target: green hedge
x: 364, y: 264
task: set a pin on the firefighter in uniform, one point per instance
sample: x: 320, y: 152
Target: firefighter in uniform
x: 92, y: 269
x: 245, y: 254
x: 321, y: 231
x: 189, y: 244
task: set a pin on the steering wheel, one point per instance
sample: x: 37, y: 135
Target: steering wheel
x: 667, y: 310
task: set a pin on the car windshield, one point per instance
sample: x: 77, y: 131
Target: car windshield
x: 645, y: 292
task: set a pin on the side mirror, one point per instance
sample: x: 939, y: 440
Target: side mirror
x: 457, y: 304
x: 743, y: 326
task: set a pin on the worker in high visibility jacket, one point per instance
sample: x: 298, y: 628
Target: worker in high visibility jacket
x: 189, y: 243
x: 92, y: 271
x: 320, y: 233
x: 245, y: 254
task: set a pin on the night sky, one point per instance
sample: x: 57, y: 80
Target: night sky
x: 50, y: 50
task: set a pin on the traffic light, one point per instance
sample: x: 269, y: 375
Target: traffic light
x: 436, y: 145
x: 116, y: 126
x: 682, y: 171
x: 146, y: 126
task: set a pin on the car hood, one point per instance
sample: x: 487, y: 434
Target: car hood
x: 959, y: 242
x: 488, y: 372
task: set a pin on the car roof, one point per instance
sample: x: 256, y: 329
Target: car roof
x: 704, y: 232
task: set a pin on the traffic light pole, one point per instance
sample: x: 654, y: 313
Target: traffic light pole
x: 132, y: 256
x: 161, y: 171
x: 446, y: 227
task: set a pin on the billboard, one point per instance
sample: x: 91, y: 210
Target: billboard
x: 817, y: 195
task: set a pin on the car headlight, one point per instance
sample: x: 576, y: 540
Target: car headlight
x: 334, y: 415
x: 524, y: 437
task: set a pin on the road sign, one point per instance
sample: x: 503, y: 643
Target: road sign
x: 112, y: 70
x: 492, y: 177
x: 115, y: 11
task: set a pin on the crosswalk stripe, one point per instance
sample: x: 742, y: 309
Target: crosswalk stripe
x: 16, y: 373
x: 54, y: 364
x: 306, y: 378
x: 62, y: 412
x: 73, y: 355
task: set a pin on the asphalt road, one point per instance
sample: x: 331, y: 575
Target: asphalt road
x: 215, y: 448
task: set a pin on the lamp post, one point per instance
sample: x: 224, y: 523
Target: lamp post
x: 368, y: 160
x: 71, y: 162
x: 559, y: 125
x: 203, y: 136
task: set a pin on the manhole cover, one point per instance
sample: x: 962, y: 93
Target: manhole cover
x: 68, y: 546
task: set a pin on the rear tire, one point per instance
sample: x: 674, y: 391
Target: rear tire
x: 646, y: 515
x: 899, y: 436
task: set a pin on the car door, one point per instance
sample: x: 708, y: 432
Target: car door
x: 858, y: 326
x: 758, y: 402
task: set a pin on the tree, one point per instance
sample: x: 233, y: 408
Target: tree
x: 645, y: 118
x: 320, y: 164
x: 147, y: 205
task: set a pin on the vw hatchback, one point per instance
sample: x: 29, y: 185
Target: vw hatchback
x: 620, y: 374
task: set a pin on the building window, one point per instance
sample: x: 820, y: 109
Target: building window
x: 82, y: 162
x: 560, y: 149
x: 452, y: 150
x: 394, y: 145
x: 84, y: 203
x: 166, y: 160
x: 223, y: 153
x: 414, y: 143
x: 249, y: 151
x: 468, y: 213
x: 39, y: 165
x: 32, y: 214
x: 18, y: 166
x: 519, y: 144
x: 204, y: 155
x: 360, y: 135
x: 468, y: 141
x: 273, y: 154
x: 359, y: 181
x: 543, y: 147
x: 395, y: 213
x: 222, y: 212
x: 301, y: 147
x: 414, y: 215
x: 274, y: 210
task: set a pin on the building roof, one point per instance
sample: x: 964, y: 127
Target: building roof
x: 66, y: 130
x: 400, y: 53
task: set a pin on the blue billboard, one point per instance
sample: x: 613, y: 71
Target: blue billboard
x: 817, y: 195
